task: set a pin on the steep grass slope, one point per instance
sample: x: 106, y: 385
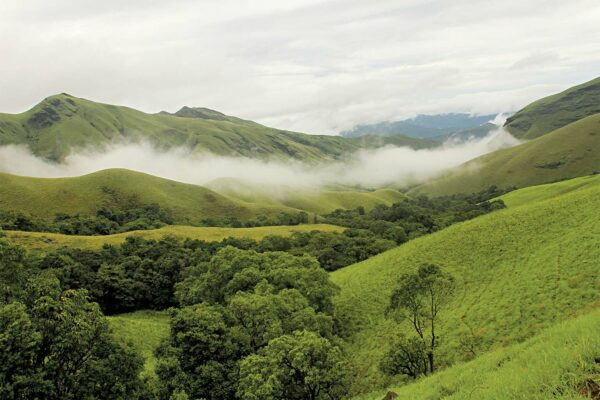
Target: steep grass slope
x: 518, y: 271
x: 554, y: 112
x: 62, y: 123
x: 568, y: 152
x: 560, y: 363
x: 85, y: 194
x: 47, y: 241
x: 549, y: 191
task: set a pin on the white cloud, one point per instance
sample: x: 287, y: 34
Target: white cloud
x: 372, y: 168
x: 319, y: 66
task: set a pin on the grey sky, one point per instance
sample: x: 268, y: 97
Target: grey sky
x: 314, y: 66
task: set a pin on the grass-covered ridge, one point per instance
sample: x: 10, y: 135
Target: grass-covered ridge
x: 62, y: 123
x: 47, y: 241
x: 189, y: 204
x: 554, y: 112
x: 568, y: 152
x: 518, y: 271
x: 560, y: 363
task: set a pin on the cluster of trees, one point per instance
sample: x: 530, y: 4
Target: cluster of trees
x: 414, y: 217
x: 253, y: 326
x: 248, y: 325
x: 142, y: 274
x: 55, y: 344
x: 139, y: 274
x: 282, y: 218
x: 108, y: 220
x: 114, y: 219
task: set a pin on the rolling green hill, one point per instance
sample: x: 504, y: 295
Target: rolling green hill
x: 62, y: 123
x: 189, y: 204
x: 518, y: 271
x: 319, y: 201
x: 549, y: 191
x: 554, y: 112
x: 47, y: 241
x: 568, y: 152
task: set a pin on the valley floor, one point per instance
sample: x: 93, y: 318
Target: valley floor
x: 48, y: 241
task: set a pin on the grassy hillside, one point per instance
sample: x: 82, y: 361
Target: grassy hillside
x: 143, y: 329
x: 189, y: 204
x: 61, y: 123
x: 518, y: 270
x: 319, y: 201
x: 557, y: 364
x: 568, y: 152
x: 549, y: 191
x: 47, y: 241
x: 553, y: 112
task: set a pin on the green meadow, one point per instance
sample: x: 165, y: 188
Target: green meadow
x: 43, y: 241
x: 144, y: 330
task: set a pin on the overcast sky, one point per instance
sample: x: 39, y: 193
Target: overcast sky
x: 313, y: 65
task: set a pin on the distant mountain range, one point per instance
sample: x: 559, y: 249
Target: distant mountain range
x: 437, y: 127
x: 63, y: 123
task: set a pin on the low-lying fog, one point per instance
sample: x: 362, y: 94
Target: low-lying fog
x: 369, y: 168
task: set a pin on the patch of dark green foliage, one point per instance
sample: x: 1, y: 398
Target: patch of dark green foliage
x: 242, y: 315
x: 420, y: 216
x: 119, y: 213
x: 55, y: 343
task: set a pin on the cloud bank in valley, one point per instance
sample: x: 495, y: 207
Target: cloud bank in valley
x: 368, y: 168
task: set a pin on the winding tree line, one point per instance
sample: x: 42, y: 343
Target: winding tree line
x: 400, y: 222
x: 141, y: 274
x: 109, y: 220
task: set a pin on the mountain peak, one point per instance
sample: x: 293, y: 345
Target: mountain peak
x: 51, y: 110
x: 200, y: 112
